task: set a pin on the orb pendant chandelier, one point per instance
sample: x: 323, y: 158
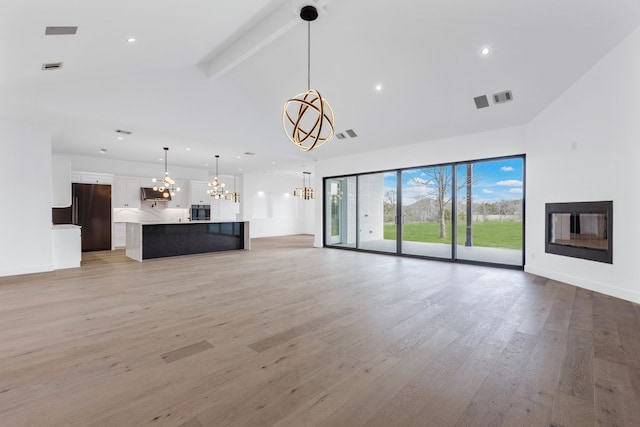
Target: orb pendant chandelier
x: 167, y: 186
x: 307, y: 118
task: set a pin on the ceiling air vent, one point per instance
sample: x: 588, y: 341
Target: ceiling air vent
x: 481, y: 101
x: 60, y: 31
x: 51, y: 66
x: 347, y: 133
x: 124, y: 132
x: 249, y: 153
x: 501, y: 97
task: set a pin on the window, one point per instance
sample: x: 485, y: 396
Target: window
x: 465, y: 211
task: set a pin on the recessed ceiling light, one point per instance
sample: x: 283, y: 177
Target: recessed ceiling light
x: 378, y: 87
x: 121, y: 137
x: 131, y: 40
x: 273, y: 163
x: 238, y: 157
x: 485, y: 51
x: 206, y: 166
x: 188, y: 149
x: 160, y: 159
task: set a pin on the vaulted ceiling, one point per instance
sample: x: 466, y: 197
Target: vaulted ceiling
x: 210, y: 77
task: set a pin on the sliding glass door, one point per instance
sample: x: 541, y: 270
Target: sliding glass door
x: 377, y: 211
x: 465, y: 211
x: 426, y: 211
x: 490, y: 200
x: 340, y: 211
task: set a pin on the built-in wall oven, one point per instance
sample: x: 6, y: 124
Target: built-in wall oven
x: 200, y: 212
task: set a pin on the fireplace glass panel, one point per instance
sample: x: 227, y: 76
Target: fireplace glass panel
x: 580, y: 230
x: 583, y: 230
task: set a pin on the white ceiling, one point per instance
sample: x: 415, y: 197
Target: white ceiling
x: 212, y: 75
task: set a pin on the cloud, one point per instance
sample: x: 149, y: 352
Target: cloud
x: 485, y: 191
x: 419, y: 181
x: 413, y: 194
x: 507, y: 169
x: 510, y: 183
x: 515, y: 190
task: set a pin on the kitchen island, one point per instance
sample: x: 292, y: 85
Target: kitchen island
x: 164, y: 239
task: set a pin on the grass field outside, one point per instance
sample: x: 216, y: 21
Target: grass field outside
x: 489, y: 234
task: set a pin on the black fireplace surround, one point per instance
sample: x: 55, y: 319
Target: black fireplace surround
x: 580, y: 230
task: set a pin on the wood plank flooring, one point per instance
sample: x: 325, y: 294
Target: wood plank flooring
x: 291, y: 335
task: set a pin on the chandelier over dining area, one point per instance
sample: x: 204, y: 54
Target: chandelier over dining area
x: 306, y: 191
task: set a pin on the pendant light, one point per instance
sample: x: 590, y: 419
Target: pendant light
x: 307, y: 118
x: 167, y: 186
x: 234, y: 196
x: 216, y: 189
x: 305, y: 192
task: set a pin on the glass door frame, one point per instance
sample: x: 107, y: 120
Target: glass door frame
x: 454, y: 212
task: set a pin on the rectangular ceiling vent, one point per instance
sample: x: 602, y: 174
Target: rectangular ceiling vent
x: 349, y: 133
x: 481, y: 101
x: 51, y: 66
x: 249, y: 153
x: 124, y: 132
x: 502, y: 97
x: 60, y: 31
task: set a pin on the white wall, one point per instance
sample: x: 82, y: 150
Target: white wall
x: 504, y: 142
x: 126, y: 168
x: 585, y: 147
x: 272, y: 210
x: 25, y: 217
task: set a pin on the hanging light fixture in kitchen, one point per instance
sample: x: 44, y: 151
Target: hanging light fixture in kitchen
x: 216, y: 188
x: 304, y: 192
x: 307, y: 117
x: 234, y: 197
x: 167, y: 186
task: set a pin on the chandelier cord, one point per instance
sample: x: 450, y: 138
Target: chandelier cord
x: 165, y: 161
x: 308, y: 55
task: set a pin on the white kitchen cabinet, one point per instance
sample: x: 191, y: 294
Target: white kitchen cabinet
x: 66, y: 246
x: 198, y: 193
x: 126, y: 192
x: 91, y: 178
x: 119, y: 235
x: 180, y: 199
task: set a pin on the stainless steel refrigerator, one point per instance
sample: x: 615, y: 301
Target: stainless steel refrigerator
x: 90, y: 209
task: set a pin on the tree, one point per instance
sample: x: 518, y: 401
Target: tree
x: 439, y: 178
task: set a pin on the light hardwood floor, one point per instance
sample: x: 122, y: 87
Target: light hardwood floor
x: 290, y: 335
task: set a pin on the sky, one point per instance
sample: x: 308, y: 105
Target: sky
x: 494, y: 180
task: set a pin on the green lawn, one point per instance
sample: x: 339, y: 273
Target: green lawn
x: 491, y: 234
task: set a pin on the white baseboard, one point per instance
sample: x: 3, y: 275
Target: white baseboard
x: 603, y: 288
x: 26, y: 270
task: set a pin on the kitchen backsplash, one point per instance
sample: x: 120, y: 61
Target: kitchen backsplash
x: 147, y: 213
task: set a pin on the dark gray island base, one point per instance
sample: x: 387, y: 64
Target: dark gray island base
x: 158, y: 240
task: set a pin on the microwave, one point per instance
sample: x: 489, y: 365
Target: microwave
x: 200, y: 212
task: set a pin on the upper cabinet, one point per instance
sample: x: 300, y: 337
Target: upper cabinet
x: 91, y: 178
x: 60, y: 181
x: 126, y: 192
x: 198, y: 193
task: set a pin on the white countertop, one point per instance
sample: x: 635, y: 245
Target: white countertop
x: 181, y: 222
x: 65, y: 226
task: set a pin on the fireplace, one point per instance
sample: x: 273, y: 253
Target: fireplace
x: 580, y: 230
